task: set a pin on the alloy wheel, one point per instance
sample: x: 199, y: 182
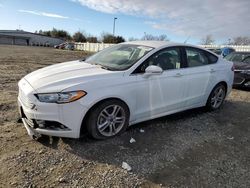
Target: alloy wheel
x: 111, y: 120
x: 218, y: 97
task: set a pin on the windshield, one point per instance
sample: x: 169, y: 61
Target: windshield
x: 237, y: 57
x: 119, y: 57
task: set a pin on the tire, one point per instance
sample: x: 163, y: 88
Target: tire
x: 216, y: 97
x: 108, y: 119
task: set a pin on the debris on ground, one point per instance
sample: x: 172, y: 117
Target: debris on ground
x: 126, y: 166
x: 132, y: 140
x: 142, y: 131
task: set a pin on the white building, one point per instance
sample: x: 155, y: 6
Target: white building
x: 19, y: 37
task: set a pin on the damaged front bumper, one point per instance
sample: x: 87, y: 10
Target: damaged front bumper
x: 31, y: 132
x: 36, y: 127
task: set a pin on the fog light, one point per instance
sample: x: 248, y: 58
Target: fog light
x: 40, y: 123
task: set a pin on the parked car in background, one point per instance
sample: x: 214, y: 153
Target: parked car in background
x: 241, y: 62
x: 56, y: 46
x: 70, y: 46
x: 61, y: 46
x: 222, y: 51
x: 122, y: 85
x: 226, y: 51
x: 66, y: 46
x: 218, y: 51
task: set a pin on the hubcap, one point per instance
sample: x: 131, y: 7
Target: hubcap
x: 111, y: 120
x: 218, y: 97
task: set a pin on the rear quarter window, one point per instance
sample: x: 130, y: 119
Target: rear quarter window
x: 211, y: 58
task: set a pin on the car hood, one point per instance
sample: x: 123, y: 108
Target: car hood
x: 56, y: 78
x: 241, y: 66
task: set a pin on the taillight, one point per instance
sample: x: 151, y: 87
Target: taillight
x: 232, y: 69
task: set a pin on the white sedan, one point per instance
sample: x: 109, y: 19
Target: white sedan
x: 120, y: 86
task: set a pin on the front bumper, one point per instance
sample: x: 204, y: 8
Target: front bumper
x: 35, y: 120
x: 241, y: 80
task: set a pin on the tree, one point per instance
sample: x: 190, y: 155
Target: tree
x: 207, y: 40
x: 109, y: 38
x: 162, y: 37
x: 47, y: 33
x: 79, y: 37
x: 92, y: 39
x: 56, y: 33
x: 241, y: 41
x: 132, y: 39
x: 60, y: 34
x: 119, y: 39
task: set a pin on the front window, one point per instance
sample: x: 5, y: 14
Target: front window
x: 167, y: 59
x: 119, y: 57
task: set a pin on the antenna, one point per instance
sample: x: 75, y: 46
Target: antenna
x: 186, y: 40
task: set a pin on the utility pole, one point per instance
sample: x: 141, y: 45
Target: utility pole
x: 114, y: 26
x: 145, y: 36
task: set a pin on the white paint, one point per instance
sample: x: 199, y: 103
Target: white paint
x: 147, y: 97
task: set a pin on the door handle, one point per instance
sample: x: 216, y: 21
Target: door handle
x: 178, y: 75
x: 212, y: 70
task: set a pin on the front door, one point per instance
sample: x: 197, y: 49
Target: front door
x: 159, y: 94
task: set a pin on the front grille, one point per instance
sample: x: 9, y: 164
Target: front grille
x: 48, y: 125
x: 24, y: 98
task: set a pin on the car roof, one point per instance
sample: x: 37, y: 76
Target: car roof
x: 158, y: 44
x: 163, y: 44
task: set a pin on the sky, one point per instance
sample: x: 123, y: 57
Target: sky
x: 180, y: 20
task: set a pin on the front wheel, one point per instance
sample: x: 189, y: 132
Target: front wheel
x: 108, y: 119
x: 216, y: 98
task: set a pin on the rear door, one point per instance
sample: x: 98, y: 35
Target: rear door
x: 198, y: 74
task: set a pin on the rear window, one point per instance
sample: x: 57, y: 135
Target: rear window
x: 199, y: 57
x: 196, y: 57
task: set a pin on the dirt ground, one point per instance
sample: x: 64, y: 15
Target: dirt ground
x: 194, y: 148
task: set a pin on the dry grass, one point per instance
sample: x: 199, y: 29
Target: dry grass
x: 189, y: 149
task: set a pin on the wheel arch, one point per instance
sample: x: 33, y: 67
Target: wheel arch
x: 221, y: 82
x: 83, y: 128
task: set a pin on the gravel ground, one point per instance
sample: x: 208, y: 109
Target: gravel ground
x: 194, y: 148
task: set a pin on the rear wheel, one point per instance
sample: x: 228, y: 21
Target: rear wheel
x: 108, y: 119
x: 216, y: 98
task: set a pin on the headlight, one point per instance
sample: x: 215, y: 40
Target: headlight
x: 245, y: 72
x: 63, y: 97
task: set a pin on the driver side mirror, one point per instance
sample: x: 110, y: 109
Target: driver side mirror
x: 153, y: 70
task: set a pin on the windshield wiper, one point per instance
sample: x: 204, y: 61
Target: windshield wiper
x: 107, y: 68
x: 101, y: 66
